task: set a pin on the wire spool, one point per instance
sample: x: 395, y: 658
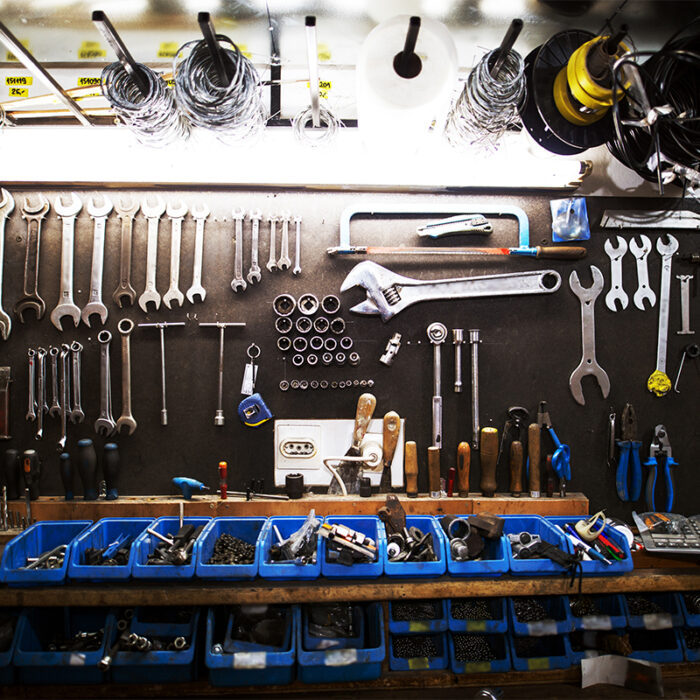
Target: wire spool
x: 154, y: 117
x: 307, y: 134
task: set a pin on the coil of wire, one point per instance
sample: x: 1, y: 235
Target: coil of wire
x: 315, y: 136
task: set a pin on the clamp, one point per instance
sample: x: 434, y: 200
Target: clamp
x: 629, y: 466
x: 561, y: 459
x: 660, y: 448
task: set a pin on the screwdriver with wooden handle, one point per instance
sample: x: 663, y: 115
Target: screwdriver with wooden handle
x: 390, y: 438
x: 516, y: 468
x: 489, y: 457
x: 463, y: 462
x: 533, y: 452
x: 434, y: 471
x: 410, y: 467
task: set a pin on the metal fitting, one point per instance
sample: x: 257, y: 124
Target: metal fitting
x: 308, y: 304
x: 354, y: 359
x: 338, y: 326
x: 294, y: 384
x: 313, y: 384
x: 346, y: 342
x: 316, y: 343
x: 297, y: 360
x: 283, y: 324
x: 303, y: 384
x: 330, y: 304
x: 284, y: 343
x: 340, y: 359
x: 284, y: 305
x: 341, y: 385
x: 303, y: 324
x: 393, y: 346
x: 312, y: 359
x: 321, y: 324
x: 323, y: 384
x: 300, y: 344
x: 327, y: 359
x: 334, y: 385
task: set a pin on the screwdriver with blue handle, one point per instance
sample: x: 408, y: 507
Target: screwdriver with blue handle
x: 660, y: 457
x: 629, y: 465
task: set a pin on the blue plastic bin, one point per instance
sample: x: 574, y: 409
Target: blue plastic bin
x: 232, y: 645
x: 7, y: 670
x: 100, y: 535
x: 534, y: 524
x: 425, y: 523
x: 158, y: 666
x: 146, y: 544
x: 691, y: 619
x: 499, y: 647
x: 369, y: 525
x: 558, y: 619
x: 690, y: 651
x: 421, y: 663
x: 37, y: 628
x: 671, y: 617
x: 246, y: 529
x: 661, y: 646
x: 578, y: 652
x: 249, y: 667
x: 311, y: 643
x: 542, y: 653
x: 612, y: 614
x: 438, y: 624
x: 286, y: 570
x: 497, y: 625
x: 350, y: 664
x: 34, y: 541
x: 493, y: 561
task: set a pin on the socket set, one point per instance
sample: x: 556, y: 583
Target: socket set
x: 304, y: 384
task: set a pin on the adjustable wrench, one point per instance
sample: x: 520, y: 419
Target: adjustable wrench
x: 30, y: 298
x: 296, y: 270
x: 644, y: 291
x: 238, y: 282
x: 685, y: 281
x: 659, y: 382
x: 437, y: 333
x: 41, y: 392
x: 152, y: 214
x: 126, y: 213
x: 105, y: 424
x: 253, y: 275
x: 76, y: 414
x: 284, y: 261
x: 272, y: 260
x: 7, y: 205
x: 126, y: 420
x: 199, y: 212
x: 32, y: 407
x: 616, y: 293
x: 65, y: 393
x: 66, y: 306
x: 55, y: 408
x: 176, y: 213
x: 99, y: 216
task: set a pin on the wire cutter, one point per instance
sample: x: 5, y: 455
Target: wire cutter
x: 629, y: 465
x: 660, y: 456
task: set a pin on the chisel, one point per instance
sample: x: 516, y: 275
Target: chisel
x: 390, y: 438
x: 434, y: 472
x: 410, y: 467
x: 533, y: 452
x: 516, y: 468
x: 463, y: 461
x: 489, y: 456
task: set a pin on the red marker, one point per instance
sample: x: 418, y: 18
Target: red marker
x: 223, y: 486
x: 451, y: 475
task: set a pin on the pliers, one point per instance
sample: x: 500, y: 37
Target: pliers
x: 561, y: 459
x: 629, y: 465
x: 660, y: 456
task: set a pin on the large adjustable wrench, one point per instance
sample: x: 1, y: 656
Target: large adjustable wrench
x: 176, y: 213
x: 238, y: 282
x: 66, y: 306
x: 105, y: 425
x: 7, y: 205
x: 199, y: 212
x: 99, y: 216
x: 126, y: 420
x: 616, y: 293
x: 30, y: 298
x: 153, y: 214
x: 126, y: 214
x: 644, y: 291
x: 588, y: 364
x: 389, y: 293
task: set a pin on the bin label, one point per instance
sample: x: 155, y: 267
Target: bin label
x: 477, y: 667
x: 657, y: 621
x: 18, y: 80
x: 419, y: 626
x: 476, y: 625
x: 250, y: 659
x: 596, y: 622
x: 76, y: 659
x: 538, y: 664
x: 419, y: 663
x: 340, y: 657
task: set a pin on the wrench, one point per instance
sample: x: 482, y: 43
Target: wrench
x: 65, y: 392
x: 41, y: 392
x: 588, y: 364
x: 30, y: 298
x: 32, y: 408
x: 55, y: 409
x: 297, y: 247
x: 253, y: 275
x: 176, y: 213
x: 272, y: 261
x: 126, y: 213
x: 153, y: 214
x: 685, y: 281
x: 105, y: 424
x: 659, y: 382
x: 200, y: 212
x: 616, y: 293
x: 126, y: 420
x: 437, y: 332
x: 76, y: 414
x: 238, y: 281
x: 7, y: 206
x: 99, y: 216
x: 284, y: 262
x: 644, y: 291
x: 66, y: 306
x: 389, y: 293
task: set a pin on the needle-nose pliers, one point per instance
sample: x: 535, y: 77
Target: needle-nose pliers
x: 629, y: 465
x: 660, y: 457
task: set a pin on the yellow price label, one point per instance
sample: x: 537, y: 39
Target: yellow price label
x: 85, y: 82
x: 477, y: 667
x: 18, y: 80
x: 9, y: 56
x: 91, y: 49
x: 419, y: 663
x: 476, y: 625
x: 168, y: 49
x: 419, y: 626
x: 324, y: 87
x: 170, y: 82
x: 18, y: 92
x: 323, y: 52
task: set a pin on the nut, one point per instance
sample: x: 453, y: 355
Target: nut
x: 303, y: 324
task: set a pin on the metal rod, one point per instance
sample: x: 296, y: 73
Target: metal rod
x: 403, y: 65
x: 312, y: 58
x: 224, y: 69
x: 506, y: 45
x: 474, y: 341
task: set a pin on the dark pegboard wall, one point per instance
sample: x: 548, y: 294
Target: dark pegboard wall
x: 530, y: 344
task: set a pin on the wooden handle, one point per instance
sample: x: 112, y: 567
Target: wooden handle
x: 392, y: 427
x: 365, y: 408
x: 533, y: 451
x: 565, y: 252
x: 410, y: 467
x: 516, y: 467
x: 434, y: 469
x: 489, y: 457
x: 463, y: 460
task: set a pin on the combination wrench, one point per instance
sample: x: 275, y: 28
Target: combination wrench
x: 253, y: 275
x: 105, y: 425
x: 296, y: 270
x: 284, y: 262
x: 200, y: 213
x: 32, y: 407
x: 66, y: 306
x: 55, y: 408
x: 41, y: 392
x: 238, y: 282
x: 152, y: 214
x: 76, y: 413
x: 176, y: 213
x: 125, y: 290
x: 99, y: 216
x: 65, y: 393
x: 272, y: 260
x: 126, y: 420
x: 616, y: 293
x: 7, y: 206
x: 644, y: 291
x: 437, y: 333
x: 30, y: 298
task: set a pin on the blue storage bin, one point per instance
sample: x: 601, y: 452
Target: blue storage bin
x: 369, y: 525
x: 671, y: 617
x: 691, y: 619
x: 558, y: 619
x: 691, y: 648
x: 438, y: 624
x: 286, y: 570
x: 499, y: 646
x: 250, y: 667
x: 146, y: 544
x: 612, y: 614
x: 420, y: 663
x: 661, y: 646
x: 350, y: 664
x: 311, y: 643
x: 534, y: 524
x: 7, y: 670
x: 36, y: 629
x: 425, y: 523
x: 232, y: 645
x: 34, y: 541
x: 579, y: 652
x: 100, y: 535
x: 246, y: 529
x: 540, y: 653
x: 493, y: 560
x: 497, y: 625
x: 158, y: 666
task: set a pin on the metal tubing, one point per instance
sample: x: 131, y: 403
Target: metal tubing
x: 474, y: 341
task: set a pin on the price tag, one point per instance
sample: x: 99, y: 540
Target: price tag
x: 324, y: 87
x: 88, y: 82
x: 323, y: 52
x: 168, y: 49
x: 18, y: 92
x: 91, y: 49
x: 18, y: 80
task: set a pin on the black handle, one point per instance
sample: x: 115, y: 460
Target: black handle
x: 31, y: 472
x: 11, y: 467
x: 87, y: 468
x: 66, y: 469
x: 110, y: 469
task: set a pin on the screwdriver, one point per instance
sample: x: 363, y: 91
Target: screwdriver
x: 516, y: 468
x: 390, y: 438
x: 463, y: 461
x: 489, y: 455
x: 223, y: 484
x: 110, y: 469
x: 11, y: 466
x: 533, y: 451
x: 87, y: 468
x: 31, y: 472
x: 434, y: 471
x: 66, y: 470
x: 410, y: 467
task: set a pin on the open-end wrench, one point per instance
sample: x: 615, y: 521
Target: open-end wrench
x: 30, y: 298
x: 55, y: 408
x: 65, y: 393
x: 76, y: 414
x: 152, y: 214
x: 389, y: 293
x: 659, y: 382
x: 253, y: 275
x: 105, y: 424
x: 616, y: 293
x: 238, y: 282
x: 284, y: 262
x: 7, y: 205
x: 99, y: 215
x: 644, y: 291
x: 66, y: 306
x: 272, y: 260
x: 588, y: 364
x: 176, y: 213
x: 199, y: 212
x: 40, y: 391
x: 126, y: 214
x: 126, y: 420
x: 296, y: 270
x: 437, y: 332
x: 32, y: 406
x: 685, y: 281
